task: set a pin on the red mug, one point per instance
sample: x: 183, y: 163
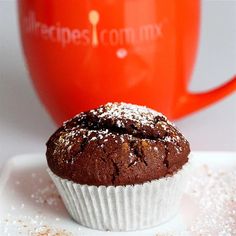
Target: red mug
x: 82, y: 54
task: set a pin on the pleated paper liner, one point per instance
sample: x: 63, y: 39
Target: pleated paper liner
x: 123, y: 208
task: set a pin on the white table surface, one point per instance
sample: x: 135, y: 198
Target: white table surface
x: 25, y: 125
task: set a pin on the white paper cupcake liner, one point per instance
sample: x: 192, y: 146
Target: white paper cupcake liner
x: 123, y: 208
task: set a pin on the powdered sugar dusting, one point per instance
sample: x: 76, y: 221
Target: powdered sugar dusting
x: 32, y: 226
x: 213, y: 197
x: 126, y: 111
x: 34, y: 207
x: 120, y: 113
x: 111, y: 125
x: 215, y: 192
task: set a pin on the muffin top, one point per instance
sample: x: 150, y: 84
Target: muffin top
x: 117, y: 144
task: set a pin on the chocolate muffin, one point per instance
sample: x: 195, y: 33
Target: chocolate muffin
x: 124, y: 152
x: 117, y: 144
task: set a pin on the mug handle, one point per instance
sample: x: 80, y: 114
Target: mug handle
x: 191, y: 102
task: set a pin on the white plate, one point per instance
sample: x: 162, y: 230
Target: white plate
x: 30, y: 205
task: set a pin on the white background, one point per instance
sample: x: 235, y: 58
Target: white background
x: 25, y: 125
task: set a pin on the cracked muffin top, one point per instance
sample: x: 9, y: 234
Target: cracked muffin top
x: 117, y: 144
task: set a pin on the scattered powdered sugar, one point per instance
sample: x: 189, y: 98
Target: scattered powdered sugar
x: 32, y: 226
x: 65, y: 137
x: 212, y: 194
x: 111, y: 124
x: 126, y: 111
x: 120, y: 114
x: 168, y: 139
x: 93, y: 138
x: 216, y: 195
x: 48, y: 231
x: 213, y: 199
x: 163, y: 125
x: 47, y: 195
x: 42, y: 198
x: 175, y: 139
x: 119, y: 124
x: 178, y: 149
